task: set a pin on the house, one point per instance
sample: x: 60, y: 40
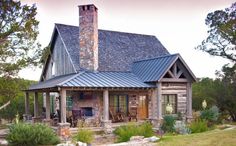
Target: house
x: 106, y: 76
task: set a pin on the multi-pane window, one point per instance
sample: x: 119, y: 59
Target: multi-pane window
x: 170, y: 99
x: 118, y: 103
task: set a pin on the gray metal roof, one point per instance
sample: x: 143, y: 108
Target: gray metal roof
x: 117, y: 50
x: 53, y: 82
x: 94, y: 80
x: 152, y: 70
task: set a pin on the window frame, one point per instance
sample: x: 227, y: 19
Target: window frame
x: 175, y: 110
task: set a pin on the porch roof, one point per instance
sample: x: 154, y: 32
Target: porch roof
x: 94, y: 80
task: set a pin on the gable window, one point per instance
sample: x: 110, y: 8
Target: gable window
x: 170, y: 99
x: 53, y: 69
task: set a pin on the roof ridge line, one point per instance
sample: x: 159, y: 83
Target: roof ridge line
x: 116, y: 31
x: 76, y: 75
x: 177, y: 54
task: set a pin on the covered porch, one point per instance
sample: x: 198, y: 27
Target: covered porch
x: 93, y: 102
x: 91, y: 107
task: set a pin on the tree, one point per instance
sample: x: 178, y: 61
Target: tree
x: 18, y: 35
x: 228, y: 101
x: 17, y: 103
x: 222, y: 33
x: 18, y: 44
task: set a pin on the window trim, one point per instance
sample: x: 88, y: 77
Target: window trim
x: 163, y: 103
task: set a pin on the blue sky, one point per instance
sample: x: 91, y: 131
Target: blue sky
x: 178, y: 24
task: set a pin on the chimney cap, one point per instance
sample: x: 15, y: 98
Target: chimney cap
x: 88, y: 5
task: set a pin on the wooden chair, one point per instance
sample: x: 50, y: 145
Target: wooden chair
x: 114, y: 117
x: 133, y: 114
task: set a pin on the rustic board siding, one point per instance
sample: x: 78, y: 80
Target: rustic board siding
x: 180, y: 89
x: 61, y: 60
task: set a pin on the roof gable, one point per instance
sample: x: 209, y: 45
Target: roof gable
x: 152, y: 70
x: 117, y: 50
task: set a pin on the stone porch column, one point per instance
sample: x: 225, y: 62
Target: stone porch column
x: 189, y: 102
x: 36, y: 117
x: 159, y: 105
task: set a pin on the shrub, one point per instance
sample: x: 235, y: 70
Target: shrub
x: 145, y: 130
x: 181, y: 128
x: 168, y: 124
x: 211, y: 115
x: 31, y: 135
x: 85, y: 136
x: 125, y: 132
x: 198, y: 126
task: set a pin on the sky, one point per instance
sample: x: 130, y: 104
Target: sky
x: 178, y: 24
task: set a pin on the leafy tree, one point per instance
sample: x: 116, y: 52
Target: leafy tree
x: 18, y: 34
x: 221, y: 40
x: 203, y: 90
x: 227, y: 102
x: 17, y: 103
x: 18, y: 44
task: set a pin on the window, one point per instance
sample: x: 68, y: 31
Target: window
x: 69, y: 103
x: 53, y: 69
x: 118, y: 103
x: 169, y: 99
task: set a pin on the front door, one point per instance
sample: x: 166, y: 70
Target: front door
x: 142, y: 107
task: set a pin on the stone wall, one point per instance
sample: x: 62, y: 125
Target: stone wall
x: 88, y: 37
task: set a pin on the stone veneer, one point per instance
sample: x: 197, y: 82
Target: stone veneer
x: 89, y: 99
x: 88, y: 37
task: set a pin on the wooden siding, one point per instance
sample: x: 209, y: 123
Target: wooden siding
x: 60, y: 59
x: 180, y: 90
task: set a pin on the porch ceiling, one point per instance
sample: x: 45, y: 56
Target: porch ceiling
x: 93, y: 80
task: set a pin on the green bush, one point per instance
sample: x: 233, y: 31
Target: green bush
x: 31, y: 135
x: 85, y: 136
x: 198, y: 126
x: 181, y: 128
x: 211, y: 115
x: 125, y: 132
x: 168, y: 124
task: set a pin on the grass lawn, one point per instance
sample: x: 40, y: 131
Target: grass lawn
x: 209, y: 138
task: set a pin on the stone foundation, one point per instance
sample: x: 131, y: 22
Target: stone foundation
x: 62, y: 128
x: 27, y: 117
x: 107, y: 126
x: 47, y: 122
x: 36, y: 119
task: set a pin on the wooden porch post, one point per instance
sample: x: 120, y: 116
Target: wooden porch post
x: 47, y: 105
x: 27, y: 103
x: 63, y: 105
x: 189, y: 101
x: 105, y: 105
x: 36, y: 105
x: 159, y: 105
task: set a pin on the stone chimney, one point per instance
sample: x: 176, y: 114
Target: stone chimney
x: 88, y: 37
